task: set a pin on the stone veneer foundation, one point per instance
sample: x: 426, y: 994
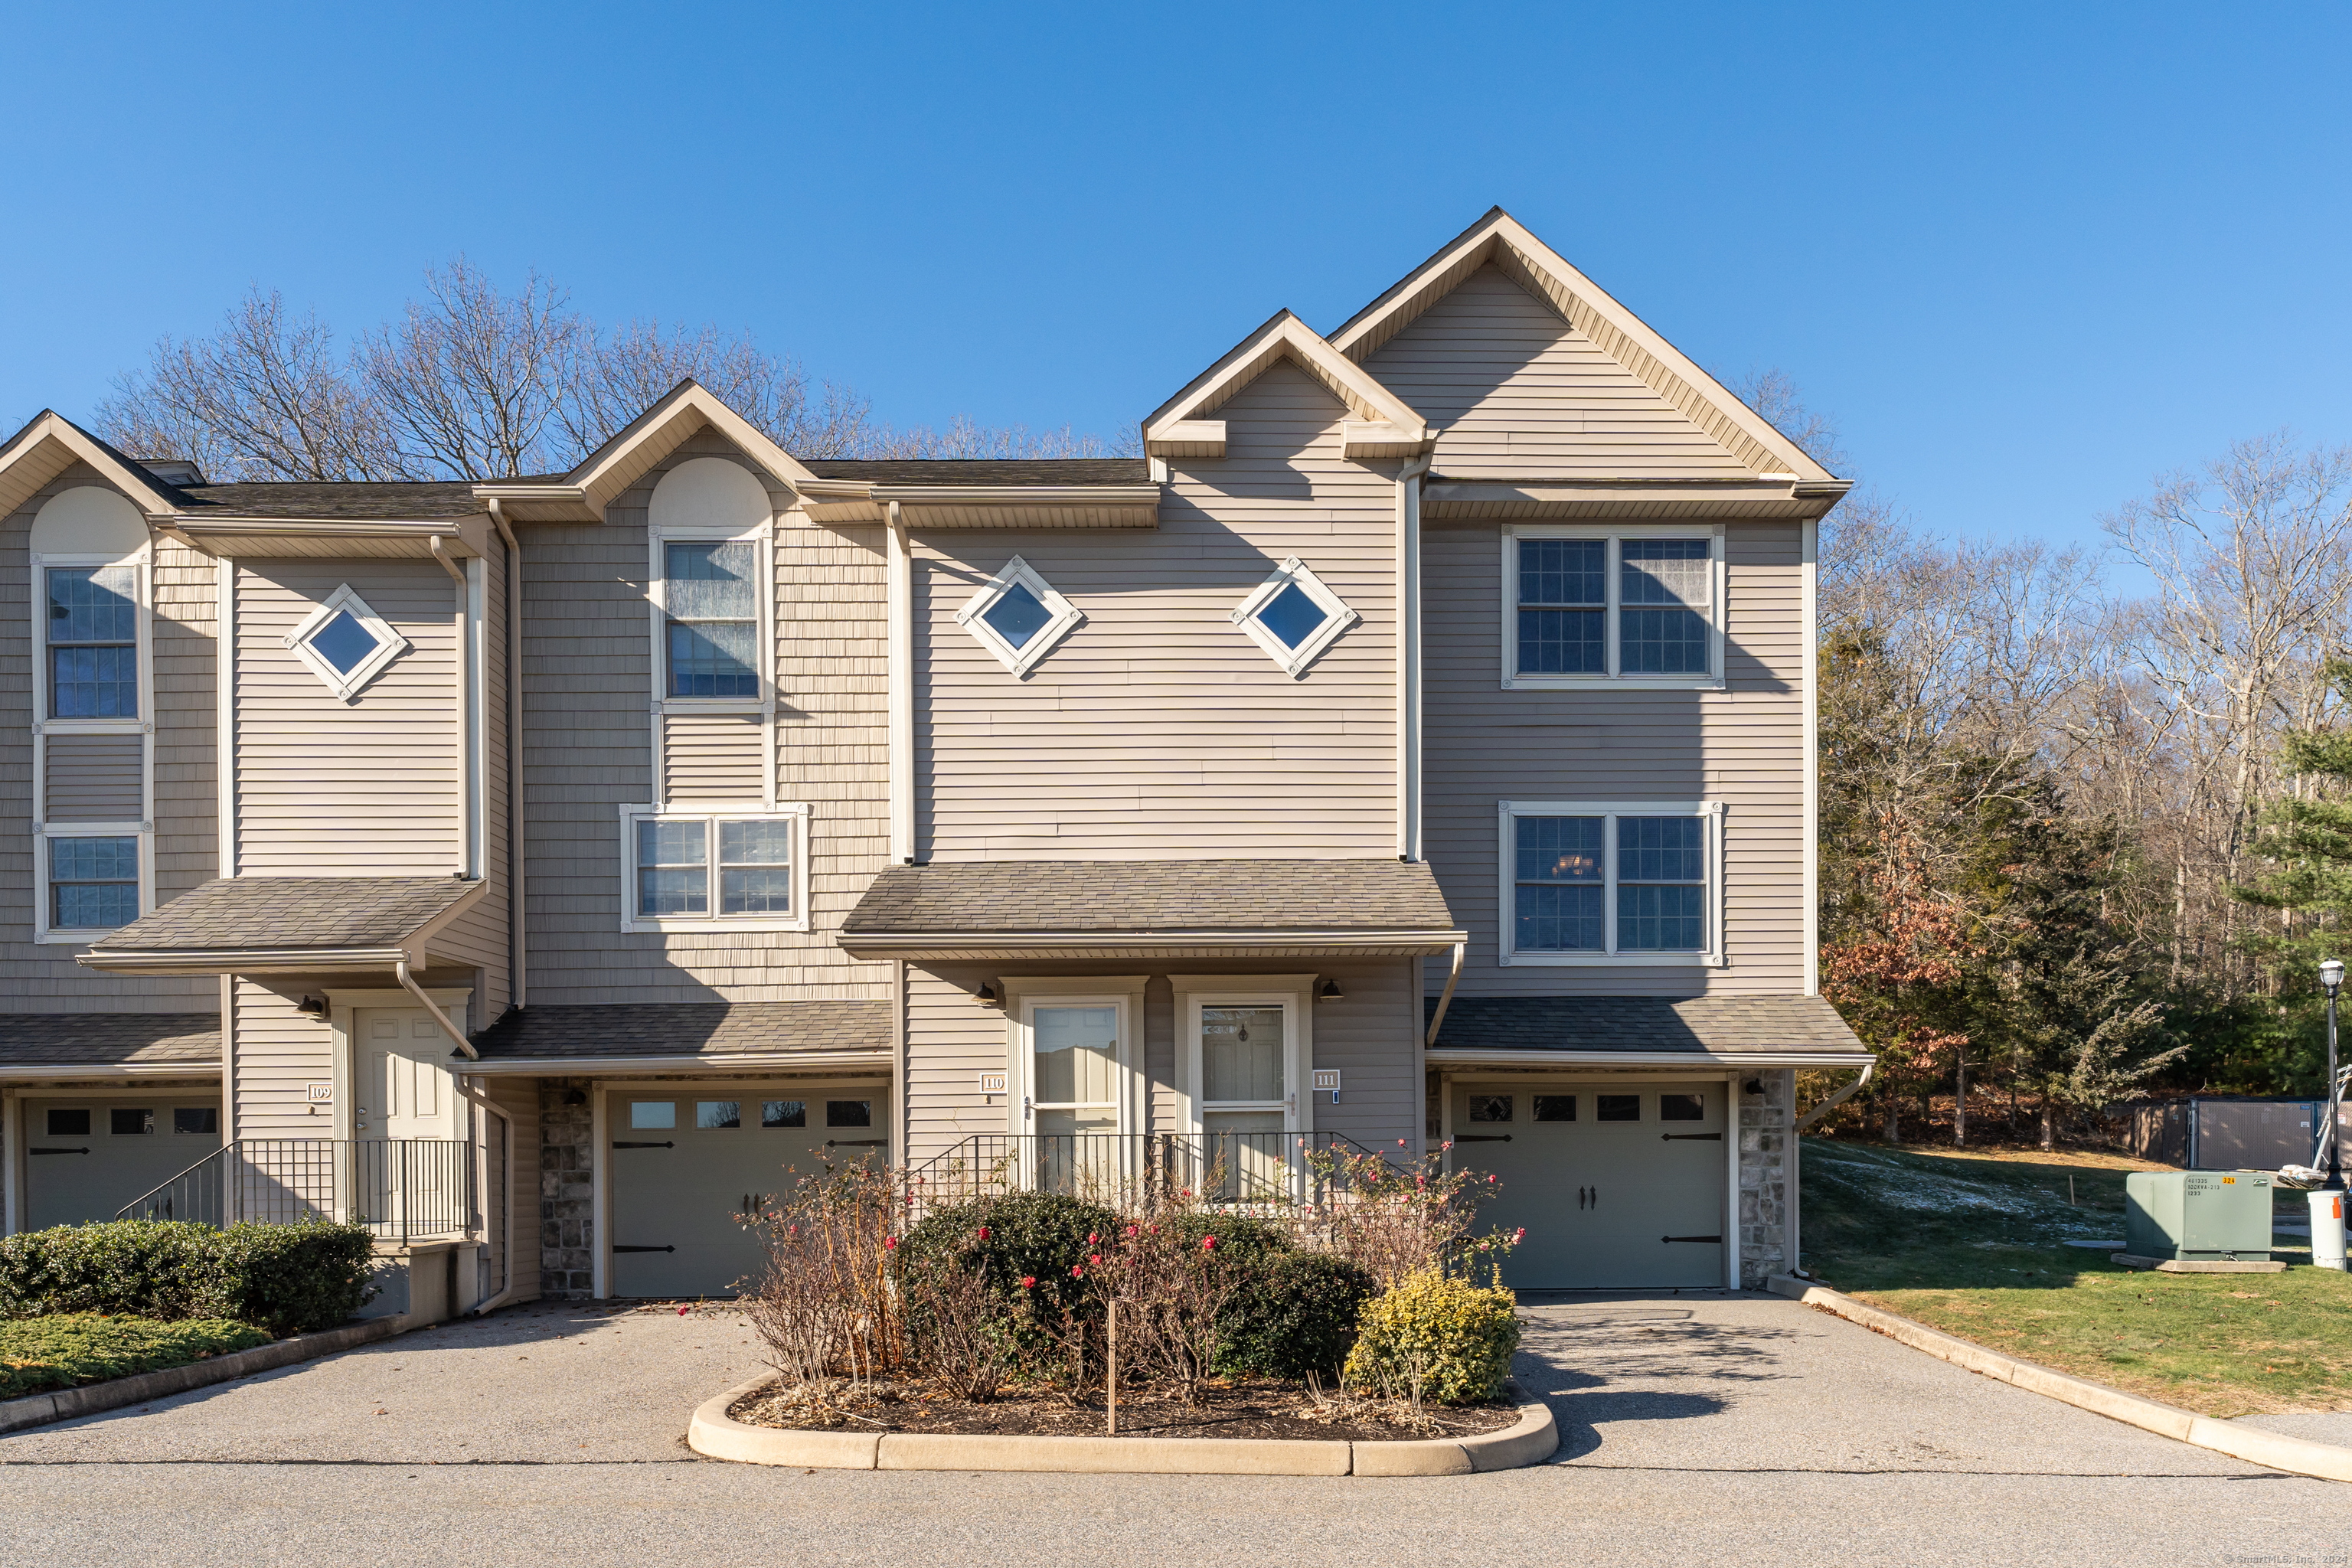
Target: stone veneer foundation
x: 567, y: 1190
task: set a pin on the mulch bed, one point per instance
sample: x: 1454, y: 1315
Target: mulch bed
x: 1262, y: 1410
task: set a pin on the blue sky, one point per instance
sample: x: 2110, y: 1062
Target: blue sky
x: 2029, y: 257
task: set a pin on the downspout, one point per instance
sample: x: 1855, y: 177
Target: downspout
x: 518, y: 952
x: 460, y: 644
x: 898, y: 585
x: 408, y: 984
x: 475, y: 1092
x: 1795, y: 1240
x: 1833, y: 1101
x: 1445, y: 998
x: 1408, y: 548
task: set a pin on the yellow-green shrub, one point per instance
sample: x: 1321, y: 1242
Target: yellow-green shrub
x: 1447, y: 1336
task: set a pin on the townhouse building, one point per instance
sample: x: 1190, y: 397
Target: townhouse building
x: 1412, y: 747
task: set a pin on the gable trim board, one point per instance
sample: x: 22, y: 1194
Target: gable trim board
x: 1499, y: 241
x: 49, y: 444
x: 1384, y: 425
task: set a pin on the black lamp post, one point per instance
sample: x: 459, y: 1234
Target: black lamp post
x: 2331, y: 978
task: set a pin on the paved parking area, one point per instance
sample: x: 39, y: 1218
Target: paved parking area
x: 1695, y: 1426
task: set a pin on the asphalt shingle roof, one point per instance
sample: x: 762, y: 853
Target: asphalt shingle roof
x: 987, y: 471
x: 109, y: 1039
x: 1696, y: 1024
x: 1077, y: 896
x: 695, y: 1030
x: 371, y: 502
x: 238, y: 913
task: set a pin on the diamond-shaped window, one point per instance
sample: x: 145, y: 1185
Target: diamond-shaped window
x: 1294, y: 616
x: 1017, y: 616
x: 344, y: 643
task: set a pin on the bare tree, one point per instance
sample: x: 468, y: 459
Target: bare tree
x: 471, y: 379
x: 266, y: 397
x: 963, y: 438
x: 627, y: 370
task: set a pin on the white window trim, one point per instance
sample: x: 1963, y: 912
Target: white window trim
x: 1294, y: 994
x: 762, y: 538
x: 796, y: 814
x: 45, y: 934
x: 389, y: 644
x: 1067, y: 617
x: 1025, y: 994
x: 1507, y: 925
x: 1336, y: 617
x: 1718, y: 584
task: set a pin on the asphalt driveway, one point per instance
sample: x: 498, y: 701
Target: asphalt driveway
x: 1695, y: 1426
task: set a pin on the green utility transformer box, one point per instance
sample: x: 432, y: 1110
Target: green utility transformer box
x: 2198, y: 1215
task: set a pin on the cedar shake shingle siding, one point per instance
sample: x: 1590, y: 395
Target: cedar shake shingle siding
x: 1110, y: 897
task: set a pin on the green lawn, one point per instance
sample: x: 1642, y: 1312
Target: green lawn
x: 73, y: 1348
x: 1974, y: 1244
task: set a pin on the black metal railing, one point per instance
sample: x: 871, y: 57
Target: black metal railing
x: 1135, y: 1170
x: 400, y: 1188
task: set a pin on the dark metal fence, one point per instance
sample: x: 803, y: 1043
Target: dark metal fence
x: 400, y: 1188
x: 1135, y: 1170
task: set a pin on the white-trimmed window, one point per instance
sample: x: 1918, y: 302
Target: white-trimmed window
x: 1294, y: 616
x: 1624, y: 883
x: 715, y: 868
x: 344, y: 643
x: 1018, y: 616
x: 92, y: 632
x: 1589, y: 605
x: 710, y: 619
x: 91, y: 875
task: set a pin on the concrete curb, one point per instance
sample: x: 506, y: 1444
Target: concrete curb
x: 2296, y: 1456
x: 91, y: 1399
x: 715, y: 1434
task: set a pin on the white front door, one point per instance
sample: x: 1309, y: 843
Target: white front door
x: 1074, y: 1100
x: 409, y: 1157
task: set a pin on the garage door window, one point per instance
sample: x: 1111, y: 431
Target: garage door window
x: 652, y: 1115
x: 129, y: 1123
x: 200, y: 1121
x: 1555, y: 1108
x: 1681, y: 1108
x: 68, y: 1124
x: 713, y: 1115
x: 1601, y: 883
x: 783, y: 1113
x: 849, y: 1113
x: 1617, y: 1108
x: 1490, y: 1108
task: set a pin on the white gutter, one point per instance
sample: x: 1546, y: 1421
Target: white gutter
x: 1536, y: 1057
x: 458, y: 644
x: 676, y: 1067
x: 408, y: 984
x: 981, y: 945
x: 899, y: 597
x: 517, y: 932
x: 1445, y: 998
x: 1408, y: 546
x: 239, y: 961
x: 1839, y: 1098
x: 112, y: 1072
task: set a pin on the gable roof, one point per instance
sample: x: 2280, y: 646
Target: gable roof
x: 1384, y: 426
x: 599, y: 479
x: 49, y: 444
x: 1499, y: 241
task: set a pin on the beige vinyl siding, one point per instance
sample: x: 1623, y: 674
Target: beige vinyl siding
x: 186, y: 626
x: 44, y: 978
x: 328, y: 788
x: 588, y: 749
x: 1156, y: 728
x: 277, y: 1054
x: 1742, y: 745
x: 1370, y: 1035
x: 94, y: 778
x: 713, y: 757
x: 1515, y: 391
x: 518, y: 1098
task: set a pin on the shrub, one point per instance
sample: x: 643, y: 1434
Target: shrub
x: 286, y: 1278
x: 823, y: 1304
x: 74, y: 1348
x: 1428, y: 1337
x: 1030, y: 1235
x: 1295, y: 1316
x: 1247, y: 1243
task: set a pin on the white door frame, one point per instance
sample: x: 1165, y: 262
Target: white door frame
x: 1292, y: 993
x: 1024, y: 993
x: 453, y: 1000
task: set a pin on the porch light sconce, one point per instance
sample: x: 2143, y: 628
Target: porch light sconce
x: 312, y: 1007
x: 575, y: 1097
x: 990, y: 995
x: 1329, y: 991
x: 1753, y: 1086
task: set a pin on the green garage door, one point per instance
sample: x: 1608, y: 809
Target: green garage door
x: 685, y: 1168
x: 85, y: 1157
x: 1617, y: 1185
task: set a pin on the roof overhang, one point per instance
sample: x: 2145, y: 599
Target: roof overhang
x: 679, y: 1066
x: 1499, y: 241
x: 410, y: 950
x: 1383, y: 425
x: 1764, y: 498
x: 210, y: 533
x: 1159, y: 944
x: 983, y: 506
x: 108, y: 1072
x: 1717, y: 1060
x: 48, y: 444
x: 601, y: 477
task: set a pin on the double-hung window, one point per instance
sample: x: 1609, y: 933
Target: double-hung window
x: 1632, y: 882
x: 1585, y: 606
x: 93, y: 642
x: 719, y: 868
x: 710, y: 619
x: 92, y: 756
